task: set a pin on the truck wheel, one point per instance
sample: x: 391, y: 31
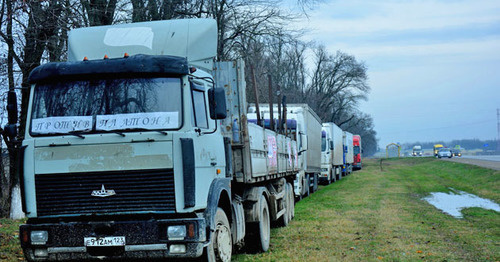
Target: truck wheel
x: 285, y: 218
x: 315, y: 182
x: 291, y: 196
x: 221, y: 245
x: 259, y: 233
x: 308, y: 186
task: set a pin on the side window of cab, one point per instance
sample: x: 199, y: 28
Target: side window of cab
x: 200, y: 116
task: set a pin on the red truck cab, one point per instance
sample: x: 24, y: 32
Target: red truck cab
x: 356, y: 141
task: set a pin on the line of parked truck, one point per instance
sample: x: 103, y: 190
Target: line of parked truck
x: 153, y: 151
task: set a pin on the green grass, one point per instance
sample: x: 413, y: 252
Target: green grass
x: 10, y: 249
x: 377, y: 214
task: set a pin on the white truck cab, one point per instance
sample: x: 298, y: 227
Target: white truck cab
x: 130, y: 150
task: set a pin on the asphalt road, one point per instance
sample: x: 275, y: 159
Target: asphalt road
x: 492, y: 162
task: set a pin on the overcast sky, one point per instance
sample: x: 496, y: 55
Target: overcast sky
x: 434, y: 66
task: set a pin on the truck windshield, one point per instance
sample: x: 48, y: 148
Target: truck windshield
x: 356, y: 150
x: 323, y: 144
x: 107, y: 105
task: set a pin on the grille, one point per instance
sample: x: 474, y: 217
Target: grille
x: 141, y: 190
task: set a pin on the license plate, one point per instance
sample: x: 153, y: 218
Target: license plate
x: 104, y: 241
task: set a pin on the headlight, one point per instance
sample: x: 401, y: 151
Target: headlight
x: 39, y: 237
x: 176, y: 232
x: 177, y: 249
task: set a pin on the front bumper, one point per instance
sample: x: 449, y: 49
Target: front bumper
x: 325, y: 171
x: 144, y: 239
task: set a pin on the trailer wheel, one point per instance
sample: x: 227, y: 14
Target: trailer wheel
x: 315, y: 182
x: 308, y: 186
x: 291, y: 196
x: 259, y: 233
x: 221, y: 245
x: 288, y: 204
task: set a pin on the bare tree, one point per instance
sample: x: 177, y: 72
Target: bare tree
x: 338, y: 84
x: 99, y: 12
x: 362, y: 124
x: 39, y: 31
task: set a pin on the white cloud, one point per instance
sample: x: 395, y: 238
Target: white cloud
x: 402, y: 16
x: 472, y: 49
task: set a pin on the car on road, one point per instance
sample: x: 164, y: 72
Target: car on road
x: 456, y: 152
x: 444, y: 152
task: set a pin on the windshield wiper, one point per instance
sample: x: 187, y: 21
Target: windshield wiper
x: 118, y: 133
x: 77, y: 134
x: 140, y: 129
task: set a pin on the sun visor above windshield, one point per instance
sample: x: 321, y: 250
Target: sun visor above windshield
x: 194, y: 39
x: 143, y: 64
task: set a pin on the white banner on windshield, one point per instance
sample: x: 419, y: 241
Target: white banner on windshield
x: 61, y: 124
x: 156, y: 120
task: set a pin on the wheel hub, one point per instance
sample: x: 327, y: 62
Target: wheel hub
x: 223, y: 245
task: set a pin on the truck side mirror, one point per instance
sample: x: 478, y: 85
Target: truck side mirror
x: 11, y: 128
x: 331, y: 145
x: 12, y: 107
x: 217, y: 102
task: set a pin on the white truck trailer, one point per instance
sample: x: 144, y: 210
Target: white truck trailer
x: 332, y: 156
x: 348, y: 153
x: 137, y: 155
x: 305, y: 126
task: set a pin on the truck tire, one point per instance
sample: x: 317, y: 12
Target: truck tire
x: 288, y: 201
x: 292, y: 201
x: 315, y: 182
x: 221, y: 246
x: 308, y: 186
x: 259, y: 233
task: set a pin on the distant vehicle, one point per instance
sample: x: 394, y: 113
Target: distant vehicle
x: 348, y: 153
x: 357, y: 151
x: 332, y: 153
x: 444, y: 152
x: 456, y: 152
x: 417, y: 151
x: 436, y: 148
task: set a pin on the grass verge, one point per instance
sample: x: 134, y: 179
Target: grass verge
x: 10, y: 248
x: 377, y: 214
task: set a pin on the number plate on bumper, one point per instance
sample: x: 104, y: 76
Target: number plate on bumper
x: 104, y: 241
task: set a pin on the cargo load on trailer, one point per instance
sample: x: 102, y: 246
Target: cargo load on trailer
x: 303, y: 124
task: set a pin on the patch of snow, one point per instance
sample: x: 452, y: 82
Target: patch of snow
x: 16, y: 210
x: 455, y: 201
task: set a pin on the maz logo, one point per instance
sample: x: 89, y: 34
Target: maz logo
x: 103, y: 192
